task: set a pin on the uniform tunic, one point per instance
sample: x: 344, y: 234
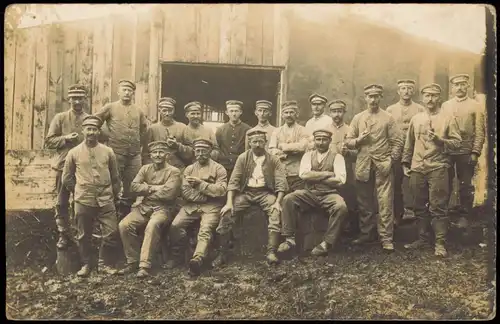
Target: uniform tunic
x: 323, y: 121
x: 191, y: 133
x: 403, y: 114
x: 154, y: 212
x: 160, y: 132
x: 231, y: 140
x: 203, y: 203
x: 268, y: 128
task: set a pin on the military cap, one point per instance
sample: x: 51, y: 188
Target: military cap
x: 373, y: 89
x: 406, y: 82
x: 166, y: 102
x: 337, y: 102
x: 263, y: 104
x: 459, y: 78
x: 192, y: 105
x: 290, y: 104
x: 256, y: 132
x: 231, y: 103
x: 431, y: 88
x: 203, y: 142
x: 92, y: 121
x: 322, y: 132
x: 127, y: 83
x: 76, y: 90
x: 158, y: 145
x: 317, y: 98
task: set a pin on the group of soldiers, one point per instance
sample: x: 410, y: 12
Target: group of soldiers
x: 385, y: 166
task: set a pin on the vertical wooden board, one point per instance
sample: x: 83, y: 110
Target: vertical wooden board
x: 238, y: 33
x: 23, y: 89
x: 41, y: 87
x: 123, y: 31
x: 141, y: 96
x: 102, y: 65
x: 208, y: 33
x: 84, y: 60
x: 56, y: 55
x: 142, y: 49
x: 69, y: 68
x: 427, y: 68
x: 8, y: 79
x: 154, y: 66
x: 191, y: 52
x: 225, y: 33
x: 168, y: 50
x: 254, y: 41
x: 280, y: 46
x: 268, y: 34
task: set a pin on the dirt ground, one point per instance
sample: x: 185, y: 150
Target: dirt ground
x: 352, y: 283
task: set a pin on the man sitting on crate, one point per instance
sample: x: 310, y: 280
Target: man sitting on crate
x: 204, y: 189
x: 258, y: 178
x: 324, y: 172
x: 159, y: 183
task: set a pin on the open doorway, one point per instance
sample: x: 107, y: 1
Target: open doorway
x: 214, y: 84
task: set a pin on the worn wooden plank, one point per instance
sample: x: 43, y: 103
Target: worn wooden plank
x: 84, y: 60
x: 208, y: 33
x: 168, y: 50
x: 29, y: 179
x: 56, y: 63
x: 69, y: 68
x: 254, y: 41
x: 142, y: 49
x: 238, y: 33
x: 280, y: 47
x: 427, y: 69
x: 122, y: 52
x: 141, y: 96
x: 268, y: 34
x: 41, y: 87
x: 102, y: 64
x: 154, y: 66
x: 8, y: 79
x: 225, y: 33
x: 23, y: 89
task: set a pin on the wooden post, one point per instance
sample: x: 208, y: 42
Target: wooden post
x: 68, y: 260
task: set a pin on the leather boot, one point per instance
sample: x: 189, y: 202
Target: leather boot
x: 175, y: 258
x: 222, y: 244
x: 273, y: 240
x: 84, y: 271
x: 423, y: 235
x: 440, y: 226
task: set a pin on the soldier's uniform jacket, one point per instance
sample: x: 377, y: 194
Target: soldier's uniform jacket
x: 209, y: 196
x: 380, y: 146
x: 268, y: 128
x: 95, y: 171
x: 160, y: 132
x: 190, y: 134
x: 126, y: 127
x: 471, y: 124
x: 424, y: 154
x: 231, y: 140
x: 290, y: 138
x: 169, y: 178
x: 64, y: 123
x: 339, y: 135
x: 403, y: 114
x: 323, y: 121
x: 272, y: 169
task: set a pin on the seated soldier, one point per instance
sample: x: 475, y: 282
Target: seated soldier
x: 324, y: 172
x: 159, y: 183
x: 258, y: 178
x: 204, y: 190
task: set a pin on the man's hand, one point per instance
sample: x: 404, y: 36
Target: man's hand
x: 406, y: 170
x: 226, y: 208
x: 363, y: 136
x: 71, y: 137
x: 152, y: 189
x: 434, y: 137
x: 344, y: 150
x: 172, y: 142
x: 473, y: 159
x: 276, y: 206
x: 193, y: 181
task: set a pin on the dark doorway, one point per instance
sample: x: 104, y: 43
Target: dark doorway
x: 214, y: 84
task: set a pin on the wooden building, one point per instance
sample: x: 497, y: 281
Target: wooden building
x: 205, y: 52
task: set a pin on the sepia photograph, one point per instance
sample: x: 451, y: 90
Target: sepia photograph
x: 250, y: 161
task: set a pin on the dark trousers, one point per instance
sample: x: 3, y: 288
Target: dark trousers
x: 128, y: 167
x: 465, y: 173
x: 295, y: 183
x: 300, y: 202
x: 62, y: 205
x: 403, y: 196
x: 108, y: 222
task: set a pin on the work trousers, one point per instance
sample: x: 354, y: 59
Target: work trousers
x: 465, y: 173
x: 382, y: 183
x: 128, y: 167
x: 433, y: 190
x: 183, y: 220
x: 403, y: 195
x: 85, y: 217
x: 242, y: 201
x: 295, y: 183
x: 152, y: 225
x: 300, y: 202
x: 62, y: 205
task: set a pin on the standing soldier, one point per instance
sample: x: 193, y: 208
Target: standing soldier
x: 231, y: 136
x: 375, y: 134
x: 168, y: 130
x: 127, y: 126
x: 159, y: 183
x: 289, y: 142
x: 470, y: 119
x: 204, y: 190
x: 91, y: 172
x: 258, y: 179
x: 339, y: 134
x: 263, y: 113
x: 324, y: 172
x: 319, y: 119
x: 194, y: 130
x: 65, y: 132
x: 402, y: 112
x: 431, y: 136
